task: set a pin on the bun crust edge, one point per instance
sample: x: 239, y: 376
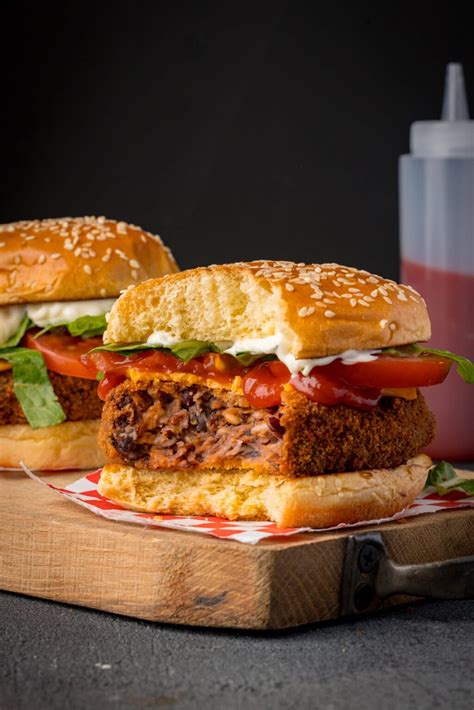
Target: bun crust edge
x: 318, y: 309
x: 312, y: 501
x: 81, y: 258
x: 64, y: 446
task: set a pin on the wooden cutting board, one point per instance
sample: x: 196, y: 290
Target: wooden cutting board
x: 52, y: 548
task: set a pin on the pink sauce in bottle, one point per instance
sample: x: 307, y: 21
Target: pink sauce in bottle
x: 450, y: 300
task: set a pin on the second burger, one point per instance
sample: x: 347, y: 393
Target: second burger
x: 58, y: 279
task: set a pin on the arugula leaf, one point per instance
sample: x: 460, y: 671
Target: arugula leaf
x: 247, y: 359
x: 14, y: 339
x: 186, y: 350
x: 192, y: 348
x: 465, y: 367
x: 126, y: 348
x: 444, y: 478
x: 87, y: 326
x: 32, y: 387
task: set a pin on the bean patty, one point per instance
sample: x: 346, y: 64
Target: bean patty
x: 156, y: 424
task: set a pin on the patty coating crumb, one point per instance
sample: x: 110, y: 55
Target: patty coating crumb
x: 167, y: 425
x: 339, y: 438
x: 77, y: 396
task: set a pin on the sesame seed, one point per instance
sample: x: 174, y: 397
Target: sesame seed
x: 363, y: 303
x: 121, y: 254
x: 134, y: 274
x: 106, y: 258
x: 87, y: 269
x: 383, y: 323
x: 55, y: 256
x: 392, y: 326
x: 289, y: 287
x: 143, y: 238
x: 121, y: 228
x: 305, y: 311
x: 353, y: 302
x: 41, y: 259
x: 134, y: 264
x: 401, y: 296
x: 329, y: 314
x: 387, y: 300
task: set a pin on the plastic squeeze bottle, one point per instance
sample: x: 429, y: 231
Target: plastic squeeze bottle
x: 437, y: 251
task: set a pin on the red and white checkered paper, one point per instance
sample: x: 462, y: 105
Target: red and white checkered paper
x: 84, y: 492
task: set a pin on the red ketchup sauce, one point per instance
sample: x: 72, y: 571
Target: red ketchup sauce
x: 450, y: 300
x: 262, y: 383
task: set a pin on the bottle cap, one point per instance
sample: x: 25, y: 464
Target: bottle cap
x: 453, y: 136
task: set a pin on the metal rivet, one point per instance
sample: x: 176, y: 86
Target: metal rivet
x: 363, y: 596
x: 367, y: 559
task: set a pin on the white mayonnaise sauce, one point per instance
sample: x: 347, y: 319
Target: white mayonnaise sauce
x: 58, y: 312
x: 10, y: 319
x: 274, y: 345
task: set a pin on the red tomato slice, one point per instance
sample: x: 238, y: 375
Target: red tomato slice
x: 263, y: 384
x: 62, y: 353
x: 327, y: 389
x: 386, y: 371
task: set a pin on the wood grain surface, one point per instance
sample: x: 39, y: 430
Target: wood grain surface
x: 52, y: 548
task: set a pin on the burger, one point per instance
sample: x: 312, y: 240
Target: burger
x: 58, y: 279
x: 268, y: 391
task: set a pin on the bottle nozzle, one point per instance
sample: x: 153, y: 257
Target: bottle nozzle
x: 455, y: 106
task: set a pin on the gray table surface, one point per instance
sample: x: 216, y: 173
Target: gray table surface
x: 58, y: 656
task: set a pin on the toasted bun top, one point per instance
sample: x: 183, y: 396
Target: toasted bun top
x: 315, y: 309
x: 72, y: 259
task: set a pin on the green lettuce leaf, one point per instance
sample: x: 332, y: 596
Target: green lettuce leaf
x: 32, y: 387
x: 14, y: 339
x: 186, y: 350
x: 87, y: 326
x: 444, y: 478
x: 465, y: 367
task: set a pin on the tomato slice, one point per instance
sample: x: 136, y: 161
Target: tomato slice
x: 263, y: 384
x: 62, y: 353
x: 387, y: 371
x: 327, y: 389
x: 222, y: 368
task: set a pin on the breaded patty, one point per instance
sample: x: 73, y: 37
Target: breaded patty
x: 77, y: 396
x: 156, y: 424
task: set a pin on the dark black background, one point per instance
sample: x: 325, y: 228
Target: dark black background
x: 234, y: 133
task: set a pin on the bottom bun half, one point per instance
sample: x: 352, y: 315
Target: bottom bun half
x: 311, y: 501
x: 66, y: 445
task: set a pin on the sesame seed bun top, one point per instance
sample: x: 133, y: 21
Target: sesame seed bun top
x: 71, y: 259
x: 316, y: 309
